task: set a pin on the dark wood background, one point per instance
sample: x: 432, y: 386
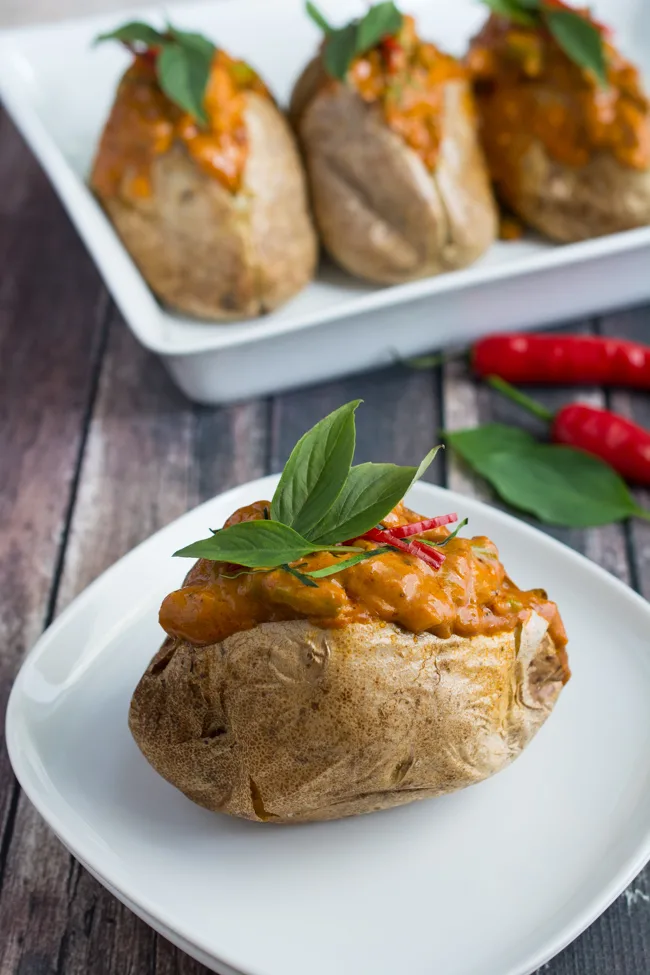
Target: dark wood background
x: 98, y: 450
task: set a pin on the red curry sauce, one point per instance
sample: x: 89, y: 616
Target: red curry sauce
x: 470, y: 594
x: 407, y: 77
x: 145, y: 123
x: 528, y: 89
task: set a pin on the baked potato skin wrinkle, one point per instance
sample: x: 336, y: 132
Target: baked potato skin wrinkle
x: 288, y: 722
x: 571, y: 204
x: 382, y: 215
x: 206, y: 251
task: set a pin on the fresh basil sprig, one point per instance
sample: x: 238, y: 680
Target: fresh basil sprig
x: 369, y: 493
x: 344, y: 44
x: 316, y: 471
x: 557, y: 484
x: 580, y: 39
x: 183, y: 61
x: 320, y: 502
x: 135, y: 33
x: 256, y: 545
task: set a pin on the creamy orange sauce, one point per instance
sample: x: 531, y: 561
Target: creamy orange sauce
x: 469, y: 594
x: 407, y: 77
x: 528, y: 89
x: 145, y: 123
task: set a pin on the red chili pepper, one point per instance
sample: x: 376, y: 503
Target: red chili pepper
x: 623, y: 445
x: 424, y: 552
x: 566, y: 359
x: 419, y: 527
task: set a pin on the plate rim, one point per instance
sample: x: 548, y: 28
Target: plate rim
x: 82, y: 847
x: 147, y: 318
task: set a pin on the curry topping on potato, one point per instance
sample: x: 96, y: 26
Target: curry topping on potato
x: 578, y: 116
x: 469, y: 594
x: 407, y: 77
x: 146, y: 123
x: 201, y: 177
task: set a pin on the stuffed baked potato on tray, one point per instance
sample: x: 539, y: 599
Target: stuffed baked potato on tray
x: 387, y: 126
x: 198, y: 170
x: 332, y: 653
x: 564, y: 120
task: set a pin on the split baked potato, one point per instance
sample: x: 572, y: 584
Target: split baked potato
x: 567, y: 139
x: 205, y: 187
x: 398, y: 181
x: 362, y: 675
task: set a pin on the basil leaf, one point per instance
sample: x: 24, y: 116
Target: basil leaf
x: 316, y: 471
x: 513, y: 10
x: 562, y: 486
x: 331, y: 570
x: 256, y: 544
x: 317, y: 17
x: 134, y: 32
x: 382, y: 20
x: 193, y: 41
x: 370, y: 492
x: 340, y: 49
x: 183, y: 74
x: 580, y: 40
x: 477, y: 446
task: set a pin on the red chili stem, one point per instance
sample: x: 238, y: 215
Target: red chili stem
x: 419, y: 527
x: 520, y: 398
x: 563, y: 359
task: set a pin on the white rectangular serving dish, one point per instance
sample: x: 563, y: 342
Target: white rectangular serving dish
x: 58, y: 89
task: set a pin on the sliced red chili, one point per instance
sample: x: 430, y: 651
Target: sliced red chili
x: 419, y: 527
x: 421, y: 551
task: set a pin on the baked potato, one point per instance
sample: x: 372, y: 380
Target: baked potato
x: 207, y: 191
x: 398, y: 181
x: 568, y: 150
x: 295, y: 687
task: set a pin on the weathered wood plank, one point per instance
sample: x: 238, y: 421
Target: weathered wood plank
x: 150, y: 456
x: 51, y: 333
x: 634, y: 325
x: 398, y: 421
x: 619, y: 942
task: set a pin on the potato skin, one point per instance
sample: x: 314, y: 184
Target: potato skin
x: 215, y: 255
x: 289, y: 723
x: 572, y: 203
x: 381, y: 214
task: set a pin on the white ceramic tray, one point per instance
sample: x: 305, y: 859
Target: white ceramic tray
x: 492, y: 880
x: 59, y: 89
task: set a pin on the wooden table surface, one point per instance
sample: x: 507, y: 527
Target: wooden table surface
x: 98, y: 450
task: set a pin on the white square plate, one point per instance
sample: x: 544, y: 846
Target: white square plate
x: 59, y: 90
x: 492, y: 880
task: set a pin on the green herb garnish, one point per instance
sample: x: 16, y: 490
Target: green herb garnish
x: 344, y: 44
x: 559, y: 485
x: 320, y: 502
x: 183, y: 61
x: 580, y: 39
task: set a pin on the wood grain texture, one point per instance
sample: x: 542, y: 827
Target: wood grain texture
x: 50, y: 345
x: 149, y: 457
